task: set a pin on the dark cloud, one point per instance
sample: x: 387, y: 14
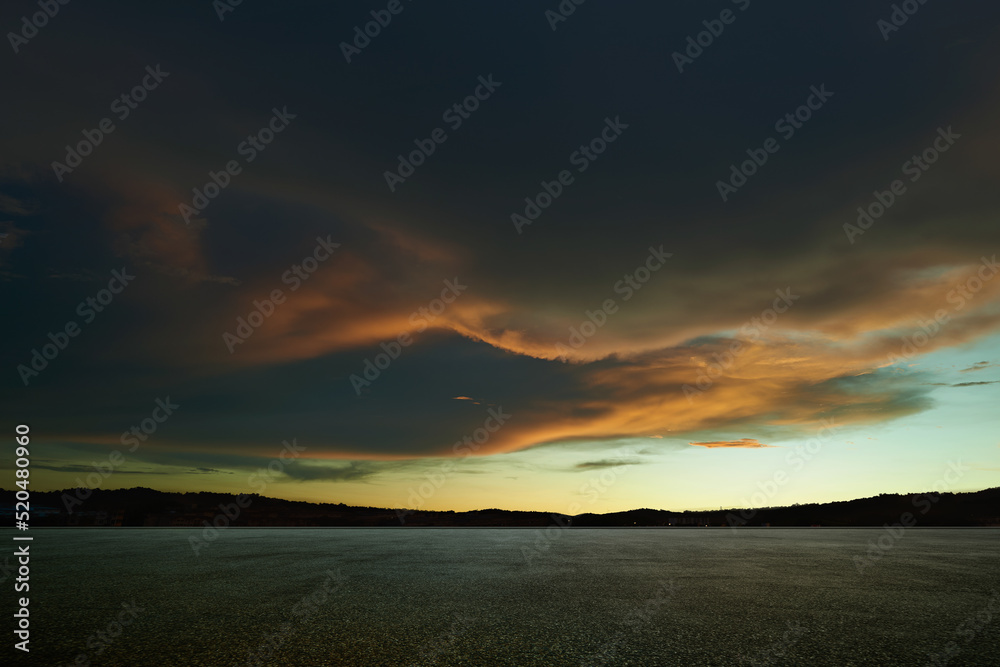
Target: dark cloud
x: 828, y: 356
x: 352, y: 471
x: 978, y: 366
x: 130, y: 470
x: 606, y: 463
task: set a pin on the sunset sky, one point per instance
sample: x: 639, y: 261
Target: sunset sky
x: 747, y: 330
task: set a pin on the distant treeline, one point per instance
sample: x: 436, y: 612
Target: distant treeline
x: 147, y: 507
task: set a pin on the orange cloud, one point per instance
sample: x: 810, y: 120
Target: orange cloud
x: 852, y: 315
x: 746, y: 443
x: 790, y: 375
x: 149, y: 231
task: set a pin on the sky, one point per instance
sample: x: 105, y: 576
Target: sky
x: 524, y: 255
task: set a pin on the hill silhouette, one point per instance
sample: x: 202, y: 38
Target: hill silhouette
x: 142, y: 506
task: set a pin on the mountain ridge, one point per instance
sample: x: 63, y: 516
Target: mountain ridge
x: 142, y: 506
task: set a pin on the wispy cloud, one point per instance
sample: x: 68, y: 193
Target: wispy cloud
x: 978, y: 366
x: 353, y: 471
x: 606, y: 463
x: 13, y: 206
x: 82, y: 469
x: 746, y: 443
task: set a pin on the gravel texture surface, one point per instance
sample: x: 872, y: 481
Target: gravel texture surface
x: 703, y: 596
